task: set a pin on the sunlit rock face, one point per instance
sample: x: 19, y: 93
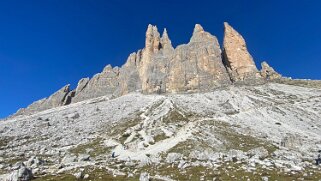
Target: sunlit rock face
x: 268, y: 73
x: 239, y: 61
x: 159, y: 68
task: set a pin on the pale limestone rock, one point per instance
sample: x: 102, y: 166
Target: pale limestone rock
x: 196, y: 66
x: 238, y: 60
x: 144, y: 177
x: 104, y: 83
x: 55, y: 100
x: 159, y: 68
x: 268, y: 72
x: 20, y: 173
x: 152, y: 46
x: 166, y: 43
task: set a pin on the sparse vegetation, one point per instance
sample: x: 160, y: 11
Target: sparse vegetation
x: 95, y: 145
x: 160, y: 137
x: 174, y: 116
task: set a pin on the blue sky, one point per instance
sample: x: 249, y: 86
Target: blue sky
x: 46, y: 44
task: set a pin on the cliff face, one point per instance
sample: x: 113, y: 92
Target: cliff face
x: 239, y: 62
x: 197, y: 66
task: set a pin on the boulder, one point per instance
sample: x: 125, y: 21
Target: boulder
x: 20, y: 173
x: 173, y: 157
x: 291, y: 141
x: 34, y: 162
x: 259, y: 152
x: 69, y: 159
x: 144, y: 177
x: 83, y: 157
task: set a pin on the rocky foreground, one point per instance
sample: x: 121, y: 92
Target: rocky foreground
x: 261, y: 132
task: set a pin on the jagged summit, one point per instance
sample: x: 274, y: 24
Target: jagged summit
x: 198, y: 28
x: 198, y: 66
x: 239, y: 61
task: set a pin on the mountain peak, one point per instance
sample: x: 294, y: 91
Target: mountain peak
x: 198, y: 28
x: 159, y: 68
x: 165, y: 41
x: 239, y: 61
x: 152, y: 42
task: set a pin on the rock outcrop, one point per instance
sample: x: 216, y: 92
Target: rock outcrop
x: 20, y: 173
x: 104, y: 83
x: 55, y: 100
x: 239, y: 61
x: 268, y: 73
x: 197, y: 66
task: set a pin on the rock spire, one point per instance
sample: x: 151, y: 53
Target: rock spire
x: 238, y: 60
x: 197, y: 66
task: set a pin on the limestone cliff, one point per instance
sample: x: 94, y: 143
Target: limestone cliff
x: 198, y: 66
x: 239, y: 61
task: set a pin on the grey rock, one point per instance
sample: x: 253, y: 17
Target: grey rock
x: 268, y: 73
x: 238, y: 60
x: 173, y: 157
x: 82, y: 84
x: 144, y: 177
x: 20, y: 173
x: 55, y: 100
x: 83, y: 157
x: 68, y: 159
x: 102, y: 84
x: 265, y: 178
x: 86, y: 176
x: 78, y: 175
x: 34, y: 162
x: 291, y: 141
x: 259, y: 152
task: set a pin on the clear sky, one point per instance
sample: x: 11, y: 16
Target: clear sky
x: 46, y: 44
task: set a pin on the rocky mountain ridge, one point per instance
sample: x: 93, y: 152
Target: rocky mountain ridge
x: 199, y: 66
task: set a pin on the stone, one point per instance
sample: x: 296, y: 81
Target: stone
x: 83, y: 157
x: 259, y: 152
x: 268, y: 73
x: 82, y: 84
x: 78, y: 175
x: 144, y: 177
x: 265, y: 178
x: 237, y: 58
x: 68, y: 159
x: 291, y: 141
x: 20, y: 173
x: 86, y: 176
x: 34, y: 162
x: 173, y: 157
